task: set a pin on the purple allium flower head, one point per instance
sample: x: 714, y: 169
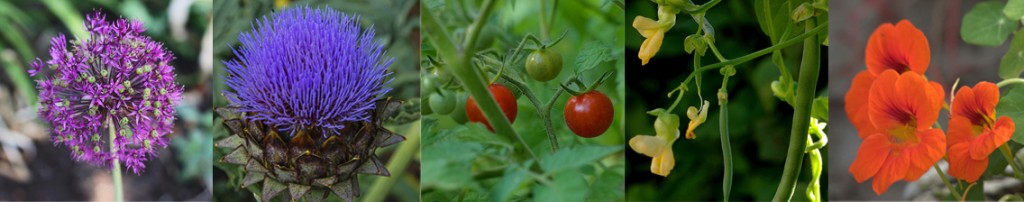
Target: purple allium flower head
x: 306, y: 67
x: 115, y: 74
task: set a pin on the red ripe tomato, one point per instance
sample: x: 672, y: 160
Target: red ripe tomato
x: 589, y: 114
x: 506, y: 100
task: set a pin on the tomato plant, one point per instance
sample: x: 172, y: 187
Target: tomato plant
x: 442, y: 103
x: 512, y: 63
x: 505, y: 99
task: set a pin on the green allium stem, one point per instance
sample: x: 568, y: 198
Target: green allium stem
x: 809, y: 67
x: 396, y: 165
x: 116, y: 169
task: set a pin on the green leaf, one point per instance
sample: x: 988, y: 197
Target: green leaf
x: 984, y: 25
x: 1012, y: 63
x: 608, y: 186
x: 567, y: 186
x: 574, y: 157
x: 819, y: 109
x: 1010, y: 105
x: 996, y: 164
x: 1014, y: 9
x: 592, y: 54
x: 513, y: 178
x: 450, y: 165
x: 774, y: 17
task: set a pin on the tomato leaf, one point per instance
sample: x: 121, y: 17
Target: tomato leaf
x: 1010, y: 105
x: 592, y: 54
x: 1012, y: 63
x: 574, y: 157
x: 986, y: 25
x: 566, y: 186
x: 451, y: 164
x: 608, y: 186
x: 514, y: 176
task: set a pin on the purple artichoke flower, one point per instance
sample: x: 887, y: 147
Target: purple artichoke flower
x: 319, y: 77
x: 116, y: 76
x: 307, y: 67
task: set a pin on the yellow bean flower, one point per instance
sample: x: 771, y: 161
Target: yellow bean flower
x: 654, y: 31
x: 659, y: 147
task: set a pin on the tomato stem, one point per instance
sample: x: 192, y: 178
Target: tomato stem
x: 809, y: 68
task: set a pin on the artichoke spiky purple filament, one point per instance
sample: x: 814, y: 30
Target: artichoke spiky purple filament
x: 305, y: 67
x: 115, y: 74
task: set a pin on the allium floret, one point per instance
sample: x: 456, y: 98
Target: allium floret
x: 306, y: 67
x: 116, y: 75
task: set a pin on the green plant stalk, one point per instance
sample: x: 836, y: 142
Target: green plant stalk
x: 759, y: 53
x: 397, y: 165
x: 18, y: 76
x: 1010, y: 81
x: 471, y: 79
x: 946, y: 181
x: 545, y: 27
x: 809, y: 67
x: 116, y: 169
x: 1012, y: 161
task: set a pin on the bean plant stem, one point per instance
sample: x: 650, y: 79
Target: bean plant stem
x: 810, y: 33
x: 809, y: 67
x: 397, y: 164
x: 946, y: 180
x: 1012, y: 161
x: 116, y: 169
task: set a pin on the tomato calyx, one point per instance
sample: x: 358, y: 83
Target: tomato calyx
x: 582, y: 88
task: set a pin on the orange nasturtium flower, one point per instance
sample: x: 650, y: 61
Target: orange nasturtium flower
x: 654, y: 31
x: 974, y: 132
x: 902, y: 109
x: 901, y: 47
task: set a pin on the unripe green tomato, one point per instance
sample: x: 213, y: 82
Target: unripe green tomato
x: 459, y: 114
x: 544, y: 64
x: 442, y: 103
x: 427, y: 85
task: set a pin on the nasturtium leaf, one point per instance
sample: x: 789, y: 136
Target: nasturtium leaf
x: 1014, y: 9
x: 1011, y: 104
x: 986, y: 25
x: 1012, y: 63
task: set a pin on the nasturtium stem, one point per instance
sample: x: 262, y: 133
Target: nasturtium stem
x: 809, y: 67
x: 946, y: 180
x: 1010, y: 81
x: 397, y: 164
x: 116, y: 169
x: 1012, y: 161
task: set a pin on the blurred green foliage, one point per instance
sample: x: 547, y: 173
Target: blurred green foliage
x: 396, y: 23
x: 759, y: 122
x: 465, y: 161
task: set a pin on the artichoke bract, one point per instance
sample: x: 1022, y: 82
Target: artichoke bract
x: 307, y: 104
